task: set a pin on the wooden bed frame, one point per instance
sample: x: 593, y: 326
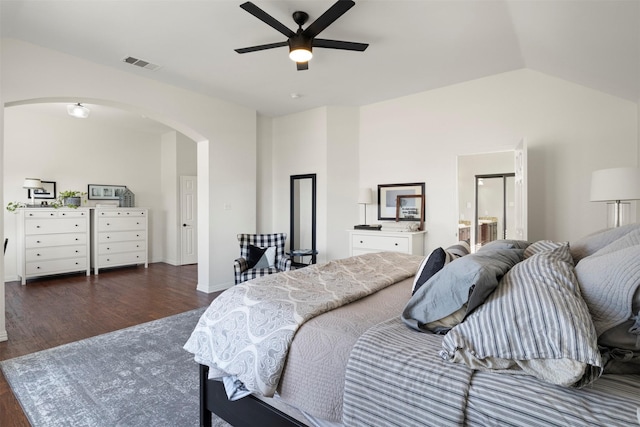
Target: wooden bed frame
x: 243, y: 412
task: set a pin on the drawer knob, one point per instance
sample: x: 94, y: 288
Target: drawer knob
x: 396, y: 244
x: 37, y: 226
x: 77, y: 251
x: 108, y: 237
x: 37, y: 241
x: 38, y: 268
x: 108, y: 249
x: 63, y: 214
x: 37, y: 254
x: 108, y: 224
x: 360, y: 241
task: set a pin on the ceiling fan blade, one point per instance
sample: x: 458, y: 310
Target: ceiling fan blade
x: 338, y: 44
x: 302, y: 66
x: 267, y: 19
x: 261, y: 47
x: 334, y: 12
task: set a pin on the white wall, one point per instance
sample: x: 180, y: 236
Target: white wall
x: 225, y: 133
x: 299, y: 147
x: 570, y: 130
x: 74, y: 153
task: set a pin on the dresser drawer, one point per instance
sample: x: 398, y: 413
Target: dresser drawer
x: 115, y: 247
x: 71, y: 213
x: 122, y: 258
x: 38, y: 241
x: 371, y: 243
x: 121, y: 224
x: 47, y: 253
x: 55, y: 266
x: 122, y: 236
x: 121, y: 213
x: 59, y: 225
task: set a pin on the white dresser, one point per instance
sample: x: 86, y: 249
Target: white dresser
x: 120, y: 237
x: 364, y: 241
x: 53, y: 241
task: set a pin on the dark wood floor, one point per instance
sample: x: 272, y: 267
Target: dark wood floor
x: 60, y: 310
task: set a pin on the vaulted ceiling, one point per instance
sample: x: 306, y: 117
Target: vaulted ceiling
x: 415, y: 45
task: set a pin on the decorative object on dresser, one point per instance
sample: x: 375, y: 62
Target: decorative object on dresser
x: 410, y: 208
x: 53, y: 241
x: 388, y: 198
x: 32, y: 184
x: 615, y: 185
x: 127, y: 199
x: 105, y: 192
x: 120, y: 237
x: 364, y: 241
x: 69, y: 198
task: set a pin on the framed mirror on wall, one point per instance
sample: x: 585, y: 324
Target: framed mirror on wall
x: 302, y: 220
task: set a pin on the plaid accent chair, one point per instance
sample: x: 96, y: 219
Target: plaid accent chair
x: 242, y: 272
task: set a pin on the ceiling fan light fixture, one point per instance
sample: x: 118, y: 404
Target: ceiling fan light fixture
x: 78, y: 111
x: 300, y: 55
x: 300, y: 49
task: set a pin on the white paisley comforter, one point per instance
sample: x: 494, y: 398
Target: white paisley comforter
x: 246, y: 331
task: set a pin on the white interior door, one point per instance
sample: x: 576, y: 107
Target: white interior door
x: 188, y: 220
x: 521, y: 190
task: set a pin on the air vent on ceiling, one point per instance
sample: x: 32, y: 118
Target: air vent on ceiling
x: 141, y: 63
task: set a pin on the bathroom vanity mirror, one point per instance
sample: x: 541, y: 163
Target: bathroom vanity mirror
x: 302, y: 232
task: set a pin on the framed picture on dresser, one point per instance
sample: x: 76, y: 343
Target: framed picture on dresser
x: 48, y: 191
x: 388, y: 197
x: 105, y: 192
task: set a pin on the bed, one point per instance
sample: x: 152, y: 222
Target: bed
x: 519, y: 333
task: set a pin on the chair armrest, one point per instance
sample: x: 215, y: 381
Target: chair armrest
x: 240, y: 265
x: 284, y: 263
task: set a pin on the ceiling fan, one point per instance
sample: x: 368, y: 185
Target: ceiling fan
x: 302, y: 41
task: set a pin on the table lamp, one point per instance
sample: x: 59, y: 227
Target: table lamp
x: 615, y: 185
x: 32, y: 184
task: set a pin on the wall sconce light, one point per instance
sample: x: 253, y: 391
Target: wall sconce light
x: 615, y: 185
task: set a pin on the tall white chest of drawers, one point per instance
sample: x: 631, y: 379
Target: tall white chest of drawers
x: 53, y: 241
x: 120, y: 237
x: 365, y: 241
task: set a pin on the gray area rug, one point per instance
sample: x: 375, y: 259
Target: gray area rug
x: 139, y: 376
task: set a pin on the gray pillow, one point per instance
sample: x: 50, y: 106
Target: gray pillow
x: 466, y: 280
x: 591, y: 243
x: 504, y: 244
x: 609, y: 280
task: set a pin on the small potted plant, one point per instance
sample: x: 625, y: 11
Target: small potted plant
x: 69, y: 199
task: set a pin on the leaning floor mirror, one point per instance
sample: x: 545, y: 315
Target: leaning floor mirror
x: 302, y: 232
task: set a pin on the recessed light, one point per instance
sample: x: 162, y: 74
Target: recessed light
x: 296, y: 96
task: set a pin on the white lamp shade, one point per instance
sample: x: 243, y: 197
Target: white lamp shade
x: 365, y: 196
x: 615, y: 184
x: 32, y: 183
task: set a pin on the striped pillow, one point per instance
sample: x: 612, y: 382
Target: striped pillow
x: 535, y: 323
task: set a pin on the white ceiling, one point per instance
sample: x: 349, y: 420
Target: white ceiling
x: 415, y: 45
